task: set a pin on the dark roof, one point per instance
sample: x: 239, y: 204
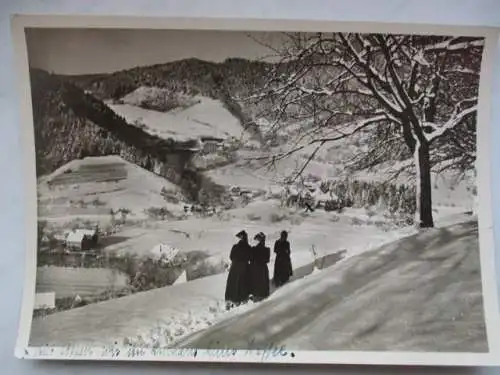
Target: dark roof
x: 210, y: 138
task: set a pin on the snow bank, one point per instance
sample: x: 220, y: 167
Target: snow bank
x: 181, y: 279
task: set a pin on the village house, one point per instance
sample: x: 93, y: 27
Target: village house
x: 82, y: 239
x: 45, y: 300
x: 210, y: 145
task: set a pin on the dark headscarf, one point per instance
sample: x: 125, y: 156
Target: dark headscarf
x: 260, y: 237
x: 242, y: 235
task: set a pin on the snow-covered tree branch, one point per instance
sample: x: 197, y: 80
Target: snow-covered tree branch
x: 455, y: 119
x: 420, y: 90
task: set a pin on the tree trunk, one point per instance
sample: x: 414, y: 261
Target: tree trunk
x: 423, y: 215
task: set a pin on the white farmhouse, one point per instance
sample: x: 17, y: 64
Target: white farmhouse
x: 81, y: 239
x: 210, y: 145
x: 46, y: 300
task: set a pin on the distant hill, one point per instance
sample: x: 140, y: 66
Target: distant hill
x: 72, y: 124
x: 190, y: 76
x: 233, y: 78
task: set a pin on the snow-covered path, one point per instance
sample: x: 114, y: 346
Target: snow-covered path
x: 421, y: 293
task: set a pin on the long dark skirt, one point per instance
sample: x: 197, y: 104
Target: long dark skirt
x: 238, y: 283
x: 282, y: 270
x: 259, y: 281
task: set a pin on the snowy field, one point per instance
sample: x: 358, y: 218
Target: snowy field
x: 91, y: 187
x: 204, y: 117
x: 69, y: 281
x: 327, y: 232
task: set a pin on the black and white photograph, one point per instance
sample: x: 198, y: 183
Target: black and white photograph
x: 273, y: 191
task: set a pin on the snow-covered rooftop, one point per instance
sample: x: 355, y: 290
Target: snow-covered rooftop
x: 78, y: 234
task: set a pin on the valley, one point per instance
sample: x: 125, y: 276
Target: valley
x: 167, y: 163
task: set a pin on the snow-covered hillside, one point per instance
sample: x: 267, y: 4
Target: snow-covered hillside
x: 422, y: 293
x: 166, y: 315
x: 92, y: 186
x: 179, y: 310
x: 199, y: 117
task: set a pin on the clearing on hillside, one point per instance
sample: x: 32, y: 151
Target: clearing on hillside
x: 204, y: 117
x: 93, y: 186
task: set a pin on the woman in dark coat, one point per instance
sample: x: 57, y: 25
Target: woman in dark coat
x: 238, y: 285
x: 259, y: 273
x: 283, y: 263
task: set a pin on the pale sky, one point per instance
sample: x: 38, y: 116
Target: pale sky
x: 87, y: 51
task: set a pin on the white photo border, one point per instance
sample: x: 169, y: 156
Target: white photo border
x: 485, y: 219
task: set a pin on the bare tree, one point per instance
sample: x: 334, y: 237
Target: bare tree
x: 416, y: 95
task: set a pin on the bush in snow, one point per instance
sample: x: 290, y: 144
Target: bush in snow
x: 97, y: 202
x: 171, y: 196
x: 333, y: 205
x: 152, y: 273
x: 204, y: 268
x: 356, y: 221
x: 224, y: 216
x: 158, y: 213
x: 124, y: 212
x: 276, y: 217
x: 274, y: 194
x: 296, y: 219
x: 370, y: 212
x: 334, y: 218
